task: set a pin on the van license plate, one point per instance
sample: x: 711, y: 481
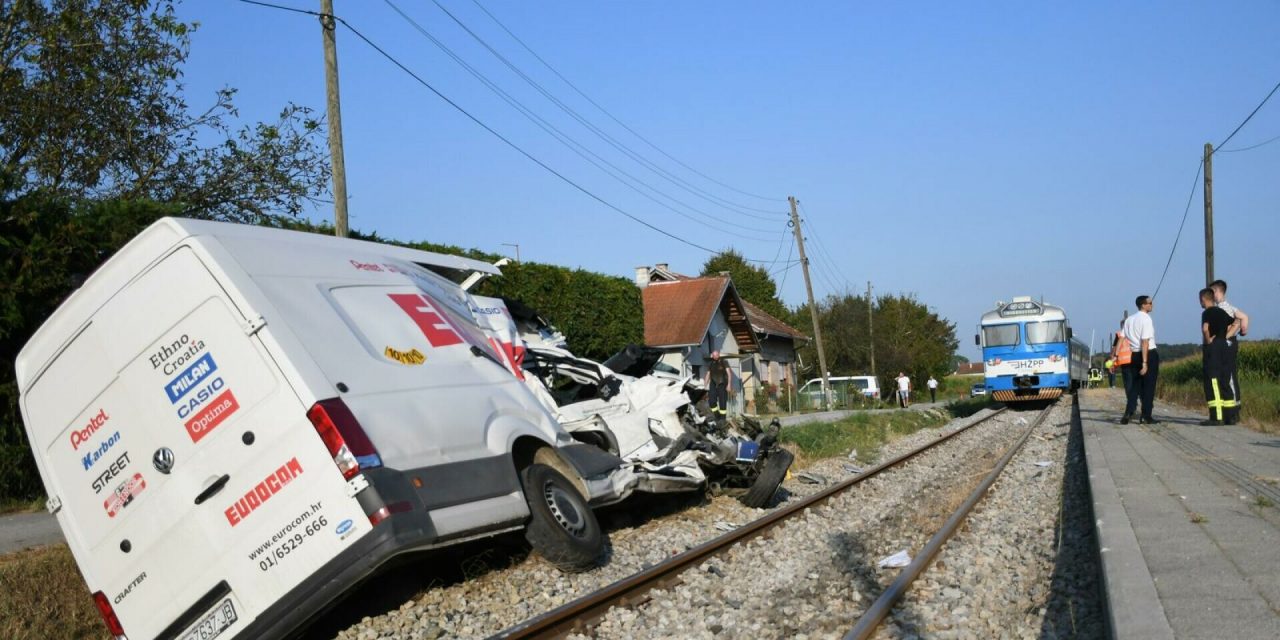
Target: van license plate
x: 215, y: 623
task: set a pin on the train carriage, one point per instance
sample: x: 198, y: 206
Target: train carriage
x: 1029, y: 352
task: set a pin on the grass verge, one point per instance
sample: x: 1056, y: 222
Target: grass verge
x: 15, y: 505
x: 1180, y: 382
x: 866, y: 432
x: 45, y: 597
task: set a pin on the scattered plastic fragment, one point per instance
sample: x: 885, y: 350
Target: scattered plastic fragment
x: 853, y: 455
x: 809, y: 477
x: 725, y: 526
x: 899, y: 559
x: 851, y: 468
x: 1021, y: 422
x: 1044, y: 463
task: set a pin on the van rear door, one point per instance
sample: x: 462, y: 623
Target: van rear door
x: 194, y: 491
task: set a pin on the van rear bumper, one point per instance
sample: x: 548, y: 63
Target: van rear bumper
x: 400, y: 533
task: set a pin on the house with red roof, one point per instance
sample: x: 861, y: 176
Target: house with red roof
x: 689, y: 317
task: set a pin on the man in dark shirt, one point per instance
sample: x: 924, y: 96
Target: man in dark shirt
x: 1217, y: 327
x: 717, y: 381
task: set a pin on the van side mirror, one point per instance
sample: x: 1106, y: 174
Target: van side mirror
x: 1069, y: 333
x: 977, y: 339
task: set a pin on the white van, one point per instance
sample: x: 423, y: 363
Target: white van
x: 866, y: 385
x: 235, y: 425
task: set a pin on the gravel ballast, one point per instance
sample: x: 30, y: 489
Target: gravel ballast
x: 813, y: 576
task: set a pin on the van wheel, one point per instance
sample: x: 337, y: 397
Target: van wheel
x: 562, y: 528
x: 770, y: 478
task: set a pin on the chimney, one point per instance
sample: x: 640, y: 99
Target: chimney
x: 642, y: 277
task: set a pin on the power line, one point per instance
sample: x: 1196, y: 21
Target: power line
x: 1250, y: 117
x: 1260, y: 144
x: 578, y: 148
x: 617, y: 145
x: 1196, y: 182
x: 791, y: 247
x: 822, y: 246
x: 492, y: 131
x: 610, y: 115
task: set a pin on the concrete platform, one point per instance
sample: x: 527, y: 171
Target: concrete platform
x: 1188, y: 522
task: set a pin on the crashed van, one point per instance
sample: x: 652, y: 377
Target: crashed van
x: 235, y: 425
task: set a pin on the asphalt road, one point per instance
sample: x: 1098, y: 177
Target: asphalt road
x: 19, y: 531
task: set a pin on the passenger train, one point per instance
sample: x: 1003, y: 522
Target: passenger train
x: 1029, y: 353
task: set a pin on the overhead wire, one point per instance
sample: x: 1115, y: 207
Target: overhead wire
x: 1196, y: 182
x: 616, y: 144
x: 822, y: 247
x: 1249, y: 148
x: 578, y: 148
x: 393, y: 60
x: 610, y: 115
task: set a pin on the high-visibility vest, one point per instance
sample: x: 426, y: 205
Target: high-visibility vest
x: 1123, y: 354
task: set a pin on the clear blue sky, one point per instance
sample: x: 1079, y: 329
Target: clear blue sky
x: 961, y: 152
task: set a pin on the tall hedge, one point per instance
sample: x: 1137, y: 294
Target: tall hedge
x: 47, y: 248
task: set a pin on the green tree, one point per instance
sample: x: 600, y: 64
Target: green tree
x: 92, y: 107
x: 909, y: 337
x: 753, y: 283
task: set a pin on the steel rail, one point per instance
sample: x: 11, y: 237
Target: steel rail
x: 875, y: 614
x: 578, y: 614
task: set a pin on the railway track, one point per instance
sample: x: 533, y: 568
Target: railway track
x: 580, y: 615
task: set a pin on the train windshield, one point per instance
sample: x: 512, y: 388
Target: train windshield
x: 1001, y: 335
x: 1046, y: 332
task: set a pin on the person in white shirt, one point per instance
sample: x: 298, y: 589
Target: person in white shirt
x: 1140, y: 331
x: 933, y: 389
x: 904, y: 390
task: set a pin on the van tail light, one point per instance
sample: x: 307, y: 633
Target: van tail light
x: 108, y: 614
x: 343, y: 436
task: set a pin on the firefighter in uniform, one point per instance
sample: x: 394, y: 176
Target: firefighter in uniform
x: 1218, y: 328
x: 718, y: 377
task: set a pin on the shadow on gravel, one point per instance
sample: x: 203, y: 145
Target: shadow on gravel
x: 405, y: 579
x: 1075, y: 607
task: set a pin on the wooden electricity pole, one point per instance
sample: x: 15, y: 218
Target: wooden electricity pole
x: 1208, y: 214
x: 871, y: 329
x: 813, y: 308
x: 327, y: 27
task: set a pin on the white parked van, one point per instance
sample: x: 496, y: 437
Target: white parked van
x: 866, y: 385
x: 237, y: 424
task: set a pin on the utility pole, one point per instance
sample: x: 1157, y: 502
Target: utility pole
x: 813, y: 308
x: 871, y: 329
x: 327, y: 27
x: 1208, y: 214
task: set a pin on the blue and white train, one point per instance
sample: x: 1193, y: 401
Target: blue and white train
x: 1029, y: 353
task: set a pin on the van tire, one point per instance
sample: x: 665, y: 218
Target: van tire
x: 770, y: 478
x: 562, y: 528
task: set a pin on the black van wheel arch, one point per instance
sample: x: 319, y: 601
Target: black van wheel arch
x: 562, y: 528
x: 770, y: 478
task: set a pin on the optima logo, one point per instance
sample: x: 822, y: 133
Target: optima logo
x: 270, y: 486
x: 187, y: 380
x: 80, y: 436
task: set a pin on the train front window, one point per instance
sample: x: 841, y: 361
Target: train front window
x: 1001, y: 335
x: 1046, y: 332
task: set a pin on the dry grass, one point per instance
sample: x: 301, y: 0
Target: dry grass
x: 45, y: 597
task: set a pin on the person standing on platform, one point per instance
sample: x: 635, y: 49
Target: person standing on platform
x: 1218, y: 328
x: 1233, y: 344
x: 1121, y: 356
x: 1144, y: 368
x: 933, y: 389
